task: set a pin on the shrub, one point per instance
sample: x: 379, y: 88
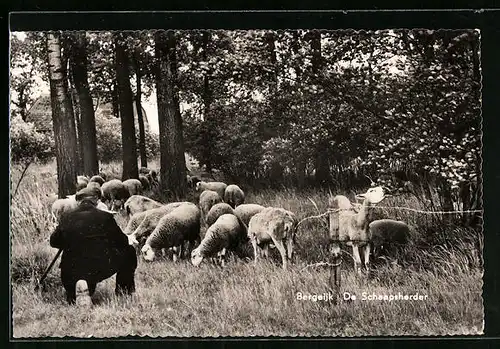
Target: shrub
x: 109, y: 140
x: 27, y: 144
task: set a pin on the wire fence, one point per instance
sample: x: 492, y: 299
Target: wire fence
x: 387, y: 207
x: 329, y: 211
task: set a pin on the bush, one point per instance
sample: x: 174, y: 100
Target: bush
x: 27, y: 144
x: 109, y: 140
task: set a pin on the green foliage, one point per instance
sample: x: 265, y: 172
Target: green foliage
x: 26, y: 144
x: 27, y: 62
x: 109, y: 140
x: 365, y: 103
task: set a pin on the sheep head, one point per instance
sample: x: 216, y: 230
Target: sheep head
x: 198, y: 184
x: 148, y: 253
x: 196, y: 257
x: 373, y: 195
x: 132, y: 240
x: 339, y: 202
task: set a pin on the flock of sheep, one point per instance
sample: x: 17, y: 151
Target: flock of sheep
x: 222, y: 222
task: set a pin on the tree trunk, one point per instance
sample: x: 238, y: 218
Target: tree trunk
x: 125, y: 100
x: 138, y: 107
x: 300, y: 170
x: 172, y: 159
x: 114, y: 100
x: 208, y: 135
x: 87, y: 128
x: 76, y: 113
x: 272, y: 123
x: 321, y: 161
x: 62, y: 118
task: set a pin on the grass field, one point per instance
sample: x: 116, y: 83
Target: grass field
x: 243, y: 299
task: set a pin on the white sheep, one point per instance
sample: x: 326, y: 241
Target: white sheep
x: 81, y: 182
x: 68, y: 204
x: 246, y: 211
x: 218, y: 187
x: 146, y: 185
x: 115, y: 193
x: 133, y: 185
x: 173, y: 229
x: 350, y: 224
x: 208, y: 198
x: 149, y: 221
x: 234, y: 196
x: 97, y: 179
x: 227, y: 233
x: 63, y: 206
x: 216, y: 211
x: 275, y: 225
x: 139, y: 203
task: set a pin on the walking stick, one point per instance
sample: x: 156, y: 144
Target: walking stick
x: 37, y: 287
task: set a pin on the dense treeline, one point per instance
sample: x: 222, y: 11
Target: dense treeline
x: 296, y: 108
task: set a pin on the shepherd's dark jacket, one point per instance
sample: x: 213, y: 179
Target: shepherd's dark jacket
x: 90, y: 239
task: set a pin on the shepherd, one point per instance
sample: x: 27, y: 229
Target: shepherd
x: 94, y: 249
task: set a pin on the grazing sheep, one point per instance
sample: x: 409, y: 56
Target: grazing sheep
x: 216, y: 211
x: 50, y: 199
x: 275, y: 225
x: 94, y: 186
x: 388, y: 234
x: 81, y: 182
x: 95, y: 189
x: 144, y: 182
x: 347, y: 225
x: 234, y: 196
x: 134, y: 221
x: 139, y: 203
x: 208, y: 199
x: 115, y: 192
x: 227, y: 233
x: 62, y: 206
x: 149, y: 222
x: 246, y: 211
x: 218, y: 187
x: 173, y: 229
x: 97, y: 179
x: 133, y: 185
x: 192, y: 180
x: 153, y: 179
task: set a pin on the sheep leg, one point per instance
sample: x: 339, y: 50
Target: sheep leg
x: 222, y: 255
x: 279, y: 245
x: 289, y: 248
x: 181, y: 250
x: 356, y: 257
x: 265, y: 250
x: 366, y: 251
x: 255, y: 252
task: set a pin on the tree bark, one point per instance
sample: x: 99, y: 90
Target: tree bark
x: 87, y: 128
x: 172, y: 159
x: 138, y: 107
x: 62, y: 118
x: 272, y: 123
x: 208, y: 135
x: 321, y: 161
x: 114, y: 100
x: 76, y: 113
x: 125, y: 102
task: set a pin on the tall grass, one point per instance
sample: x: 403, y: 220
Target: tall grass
x: 243, y: 299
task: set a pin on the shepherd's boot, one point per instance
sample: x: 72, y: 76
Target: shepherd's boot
x: 82, y: 294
